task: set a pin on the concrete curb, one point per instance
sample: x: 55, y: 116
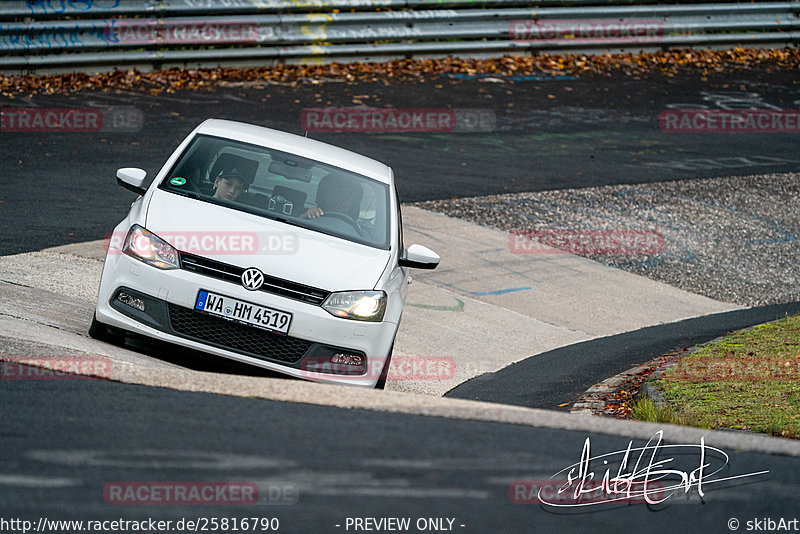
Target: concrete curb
x: 592, y: 402
x: 424, y: 405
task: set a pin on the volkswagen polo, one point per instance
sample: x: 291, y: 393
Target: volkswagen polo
x: 264, y: 247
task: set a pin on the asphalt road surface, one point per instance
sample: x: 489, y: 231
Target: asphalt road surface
x: 69, y: 448
x: 561, y: 376
x: 59, y: 188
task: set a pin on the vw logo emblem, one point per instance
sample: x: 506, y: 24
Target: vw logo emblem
x: 252, y: 279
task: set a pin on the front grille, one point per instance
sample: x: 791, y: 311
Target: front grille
x: 236, y: 337
x: 272, y: 284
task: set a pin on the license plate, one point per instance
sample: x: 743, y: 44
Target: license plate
x: 243, y: 312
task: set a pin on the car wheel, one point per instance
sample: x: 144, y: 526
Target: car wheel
x: 101, y: 332
x: 385, y: 371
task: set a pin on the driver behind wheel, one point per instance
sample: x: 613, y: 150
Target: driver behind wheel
x: 336, y: 194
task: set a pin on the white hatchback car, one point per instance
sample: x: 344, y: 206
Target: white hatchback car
x: 266, y: 248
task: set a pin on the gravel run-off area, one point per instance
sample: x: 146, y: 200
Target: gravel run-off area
x: 731, y: 239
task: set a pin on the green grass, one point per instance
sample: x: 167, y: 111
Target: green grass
x: 646, y: 410
x: 749, y: 380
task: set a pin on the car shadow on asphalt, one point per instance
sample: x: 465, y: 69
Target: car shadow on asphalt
x: 193, y: 359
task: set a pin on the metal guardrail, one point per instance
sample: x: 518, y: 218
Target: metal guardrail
x: 113, y: 8
x: 57, y: 35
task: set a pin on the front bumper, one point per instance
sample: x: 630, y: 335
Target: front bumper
x: 313, y: 338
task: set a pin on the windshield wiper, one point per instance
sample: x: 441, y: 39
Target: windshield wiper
x: 291, y: 223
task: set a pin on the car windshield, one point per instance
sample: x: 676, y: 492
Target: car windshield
x: 283, y: 187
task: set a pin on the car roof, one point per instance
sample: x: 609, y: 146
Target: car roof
x: 295, y: 144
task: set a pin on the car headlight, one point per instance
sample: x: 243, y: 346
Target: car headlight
x: 147, y: 247
x: 357, y: 305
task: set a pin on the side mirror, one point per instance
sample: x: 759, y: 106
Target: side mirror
x: 132, y: 179
x: 419, y: 257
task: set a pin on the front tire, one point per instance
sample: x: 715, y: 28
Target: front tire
x: 101, y: 332
x: 381, y: 384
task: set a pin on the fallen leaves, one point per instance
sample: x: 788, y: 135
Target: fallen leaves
x: 407, y: 70
x: 618, y: 402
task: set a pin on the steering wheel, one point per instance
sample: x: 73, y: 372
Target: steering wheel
x: 341, y: 216
x: 346, y: 218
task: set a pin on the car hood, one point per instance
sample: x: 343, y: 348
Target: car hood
x: 278, y: 249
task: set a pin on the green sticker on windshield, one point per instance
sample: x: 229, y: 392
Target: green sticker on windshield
x: 178, y: 181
